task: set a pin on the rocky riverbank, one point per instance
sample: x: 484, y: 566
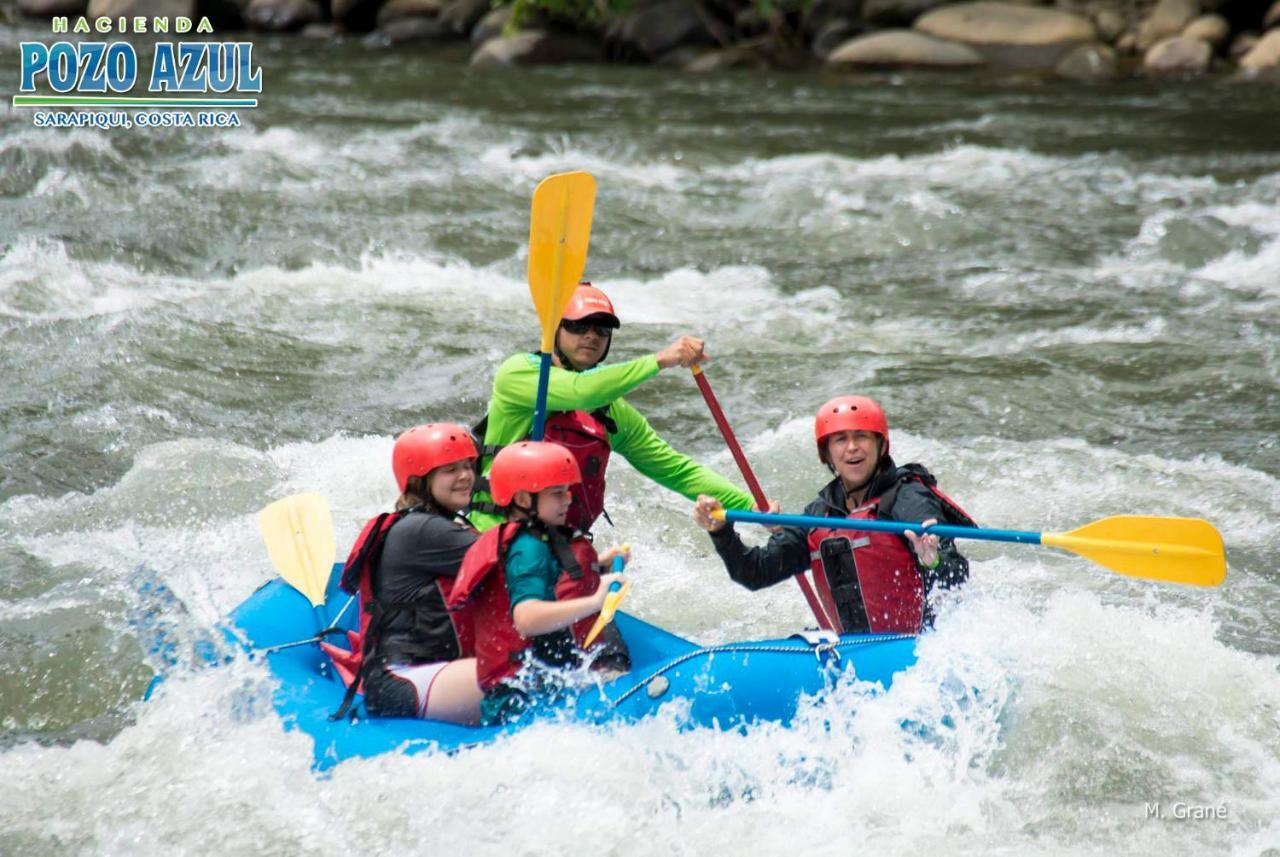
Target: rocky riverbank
x: 1088, y: 40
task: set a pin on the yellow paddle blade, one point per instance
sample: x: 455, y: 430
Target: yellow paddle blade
x: 298, y: 531
x: 1177, y: 550
x: 611, y: 602
x: 559, y: 232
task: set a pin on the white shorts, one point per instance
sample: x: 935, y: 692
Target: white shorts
x: 421, y: 677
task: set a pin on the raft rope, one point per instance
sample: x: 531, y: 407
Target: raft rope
x: 316, y: 638
x: 820, y: 650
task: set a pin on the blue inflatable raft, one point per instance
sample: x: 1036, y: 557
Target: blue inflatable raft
x: 724, y: 686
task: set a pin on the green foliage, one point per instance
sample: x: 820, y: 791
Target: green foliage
x: 581, y: 14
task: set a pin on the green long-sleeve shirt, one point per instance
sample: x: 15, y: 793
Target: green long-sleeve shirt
x: 511, y: 419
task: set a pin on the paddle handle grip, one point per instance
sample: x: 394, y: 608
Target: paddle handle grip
x: 540, y: 401
x: 618, y: 565
x: 947, y: 531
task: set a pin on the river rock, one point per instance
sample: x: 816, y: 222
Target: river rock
x: 749, y: 22
x: 820, y: 12
x: 1272, y: 18
x: 535, y: 47
x: 146, y: 8
x: 1110, y: 24
x: 722, y: 59
x: 393, y: 9
x: 491, y: 25
x: 48, y: 8
x: 652, y: 31
x: 1167, y: 18
x: 1088, y: 63
x: 996, y: 23
x: 322, y: 31
x: 893, y: 48
x: 832, y: 35
x: 1242, y: 44
x: 412, y: 28
x: 1178, y: 55
x: 282, y: 16
x: 896, y: 13
x: 1213, y: 29
x: 1265, y: 55
x: 461, y: 16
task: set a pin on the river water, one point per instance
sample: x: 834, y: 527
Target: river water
x: 1067, y: 298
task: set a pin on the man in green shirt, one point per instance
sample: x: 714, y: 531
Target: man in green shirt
x: 587, y: 414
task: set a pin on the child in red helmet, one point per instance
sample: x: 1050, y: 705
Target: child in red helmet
x: 535, y: 590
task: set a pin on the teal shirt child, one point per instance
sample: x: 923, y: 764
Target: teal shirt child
x: 532, y: 572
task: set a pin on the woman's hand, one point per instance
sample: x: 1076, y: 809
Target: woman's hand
x: 925, y: 546
x: 702, y: 510
x: 774, y: 508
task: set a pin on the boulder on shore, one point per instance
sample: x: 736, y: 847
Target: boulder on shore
x: 393, y: 9
x: 894, y: 48
x: 1110, y: 24
x: 145, y: 8
x: 896, y: 13
x: 282, y: 16
x: 832, y: 35
x: 1213, y: 29
x: 49, y: 8
x: 1264, y: 56
x: 535, y: 47
x: 1002, y: 23
x: 1088, y: 63
x: 1178, y: 55
x: 1167, y: 18
x: 654, y: 30
x: 461, y: 16
x: 1272, y: 18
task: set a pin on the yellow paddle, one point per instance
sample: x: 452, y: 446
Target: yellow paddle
x: 559, y: 232
x: 298, y: 531
x: 1175, y: 550
x: 611, y: 602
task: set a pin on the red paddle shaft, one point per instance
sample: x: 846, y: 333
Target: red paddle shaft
x: 727, y: 433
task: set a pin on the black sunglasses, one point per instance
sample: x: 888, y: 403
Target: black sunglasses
x: 577, y: 328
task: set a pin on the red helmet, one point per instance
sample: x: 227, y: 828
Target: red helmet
x: 849, y: 413
x: 424, y: 448
x: 587, y: 301
x: 530, y: 466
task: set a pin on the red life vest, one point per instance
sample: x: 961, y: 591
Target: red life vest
x: 870, y: 582
x: 586, y: 436
x: 481, y: 585
x: 357, y: 579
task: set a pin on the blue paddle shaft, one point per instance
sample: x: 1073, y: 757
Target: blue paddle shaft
x: 540, y: 403
x: 618, y: 564
x: 946, y: 531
